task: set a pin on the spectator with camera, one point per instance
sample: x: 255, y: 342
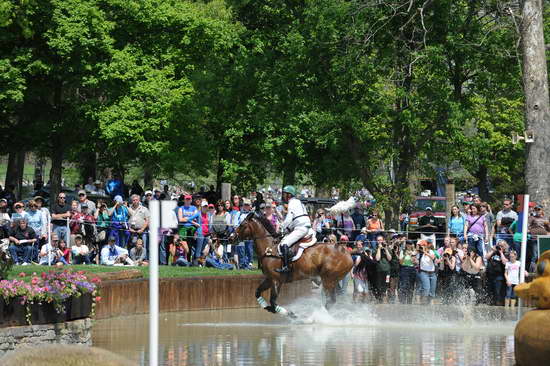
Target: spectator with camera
x: 446, y: 275
x: 383, y: 257
x: 180, y: 252
x: 395, y: 251
x: 495, y: 281
x: 50, y: 254
x: 374, y: 227
x: 362, y: 260
x: 472, y: 264
x: 428, y: 260
x: 407, y: 272
x: 119, y: 216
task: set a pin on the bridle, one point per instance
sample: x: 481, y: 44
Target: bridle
x: 235, y: 236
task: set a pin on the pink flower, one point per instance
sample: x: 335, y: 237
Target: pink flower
x: 22, y: 274
x: 97, y: 298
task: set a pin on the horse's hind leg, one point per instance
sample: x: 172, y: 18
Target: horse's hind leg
x: 266, y: 283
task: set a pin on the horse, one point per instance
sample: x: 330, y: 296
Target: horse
x: 330, y: 262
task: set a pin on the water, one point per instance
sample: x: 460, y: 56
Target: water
x: 348, y: 335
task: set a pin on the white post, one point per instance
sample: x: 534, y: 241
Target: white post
x: 523, y: 245
x: 524, y: 237
x: 154, y: 206
x: 68, y: 234
x: 49, y: 240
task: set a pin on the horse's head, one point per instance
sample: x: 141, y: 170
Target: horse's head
x: 243, y: 230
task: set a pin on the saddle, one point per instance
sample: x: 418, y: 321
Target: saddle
x: 297, y: 249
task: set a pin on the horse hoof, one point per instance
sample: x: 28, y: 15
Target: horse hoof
x: 271, y: 309
x: 292, y: 316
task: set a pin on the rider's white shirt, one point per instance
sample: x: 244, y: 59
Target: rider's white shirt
x: 297, y: 215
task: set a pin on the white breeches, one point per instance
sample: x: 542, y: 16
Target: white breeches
x: 296, y: 234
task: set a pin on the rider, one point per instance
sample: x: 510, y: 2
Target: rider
x: 297, y: 223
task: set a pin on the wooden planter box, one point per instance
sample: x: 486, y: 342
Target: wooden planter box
x: 14, y: 314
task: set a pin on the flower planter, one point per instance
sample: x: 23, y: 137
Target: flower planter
x: 81, y: 307
x: 14, y: 314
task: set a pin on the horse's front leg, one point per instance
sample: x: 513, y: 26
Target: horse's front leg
x: 274, y: 308
x: 266, y: 283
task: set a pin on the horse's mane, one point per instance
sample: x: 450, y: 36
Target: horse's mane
x: 266, y: 224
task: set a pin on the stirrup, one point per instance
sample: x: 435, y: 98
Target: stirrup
x: 284, y: 269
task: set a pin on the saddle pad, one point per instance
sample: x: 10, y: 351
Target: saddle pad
x: 302, y: 247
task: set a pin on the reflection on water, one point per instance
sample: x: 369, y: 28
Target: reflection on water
x: 349, y: 335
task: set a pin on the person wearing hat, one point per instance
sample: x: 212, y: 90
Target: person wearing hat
x: 83, y: 199
x: 113, y: 255
x: 188, y: 216
x: 119, y: 215
x: 297, y: 224
x: 39, y: 201
x: 427, y: 225
x: 80, y: 251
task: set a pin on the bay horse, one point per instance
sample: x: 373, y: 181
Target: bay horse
x: 330, y: 262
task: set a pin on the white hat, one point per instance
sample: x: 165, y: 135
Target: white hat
x: 148, y: 192
x: 118, y: 198
x: 204, y: 203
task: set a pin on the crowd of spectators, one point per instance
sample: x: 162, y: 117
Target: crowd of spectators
x: 476, y: 259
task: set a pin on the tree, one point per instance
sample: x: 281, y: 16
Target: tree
x: 537, y: 107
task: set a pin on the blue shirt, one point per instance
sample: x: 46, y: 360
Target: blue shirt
x: 456, y: 225
x: 190, y: 212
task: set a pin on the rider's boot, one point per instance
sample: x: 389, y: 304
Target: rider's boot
x: 284, y: 254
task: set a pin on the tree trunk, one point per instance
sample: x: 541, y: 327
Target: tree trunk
x: 289, y: 173
x: 88, y: 167
x: 56, y: 172
x: 219, y: 172
x: 147, y: 178
x: 14, y: 172
x: 537, y: 108
x: 39, y: 164
x: 483, y: 183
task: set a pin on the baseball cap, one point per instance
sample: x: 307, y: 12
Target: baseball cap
x: 81, y: 192
x: 78, y: 236
x: 532, y: 204
x: 344, y: 238
x: 210, y: 205
x: 148, y: 192
x: 538, y: 207
x: 3, y: 200
x: 428, y: 208
x: 97, y: 182
x: 111, y: 238
x: 118, y: 198
x: 37, y: 198
x: 204, y: 203
x: 246, y: 201
x: 187, y: 197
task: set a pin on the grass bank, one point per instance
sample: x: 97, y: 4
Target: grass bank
x: 164, y: 271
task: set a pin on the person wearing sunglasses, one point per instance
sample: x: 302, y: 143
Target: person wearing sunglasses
x: 19, y: 212
x: 61, y: 212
